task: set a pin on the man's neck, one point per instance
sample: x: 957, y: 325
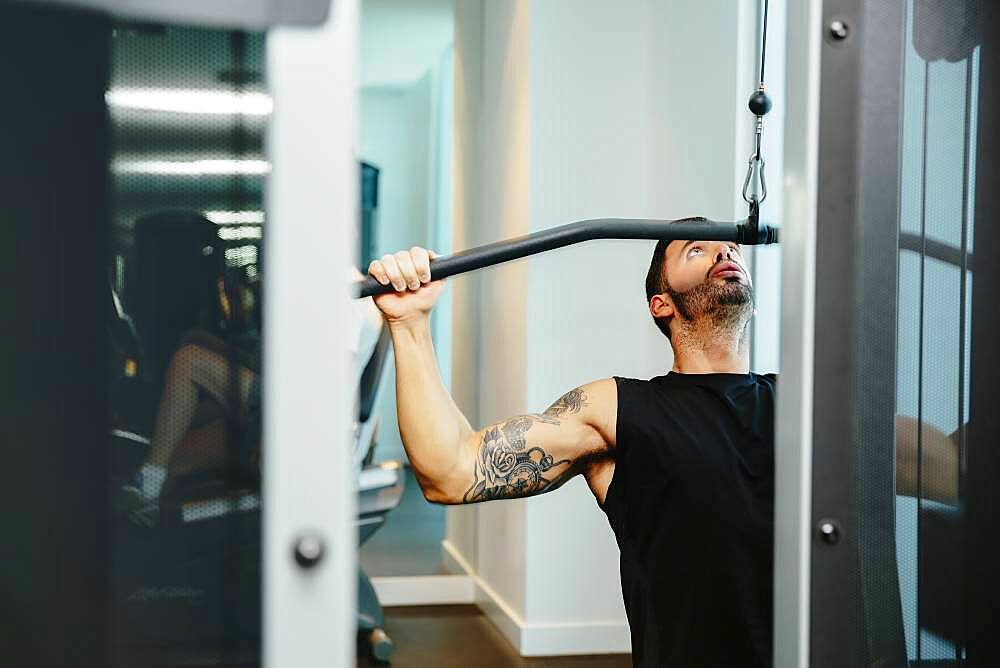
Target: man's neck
x: 709, y: 349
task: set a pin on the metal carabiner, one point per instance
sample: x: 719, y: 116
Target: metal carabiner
x: 749, y: 194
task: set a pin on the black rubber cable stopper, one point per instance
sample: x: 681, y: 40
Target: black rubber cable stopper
x: 759, y: 103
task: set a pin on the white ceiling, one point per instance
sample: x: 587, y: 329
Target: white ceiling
x: 401, y: 39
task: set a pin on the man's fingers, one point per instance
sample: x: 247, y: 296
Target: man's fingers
x: 408, y: 269
x: 377, y: 271
x: 405, y: 270
x: 392, y: 270
x: 422, y: 261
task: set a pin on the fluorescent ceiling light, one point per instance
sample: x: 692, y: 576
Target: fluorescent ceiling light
x: 242, y: 254
x: 191, y: 101
x: 230, y: 233
x: 193, y: 167
x: 235, y: 217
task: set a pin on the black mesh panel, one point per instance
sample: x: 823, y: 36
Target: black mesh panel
x: 188, y: 111
x: 940, y: 86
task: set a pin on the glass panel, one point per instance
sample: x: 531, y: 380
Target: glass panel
x: 188, y: 111
x: 940, y: 86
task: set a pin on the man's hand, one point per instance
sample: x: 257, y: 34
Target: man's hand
x: 409, y: 272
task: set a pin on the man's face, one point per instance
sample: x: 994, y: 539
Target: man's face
x: 705, y: 279
x: 692, y: 263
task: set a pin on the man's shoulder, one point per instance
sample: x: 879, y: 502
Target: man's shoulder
x: 603, y: 391
x: 597, y: 400
x: 587, y: 398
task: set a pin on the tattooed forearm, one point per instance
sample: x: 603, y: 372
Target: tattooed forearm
x: 507, y: 468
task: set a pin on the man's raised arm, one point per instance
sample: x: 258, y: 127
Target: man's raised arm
x: 522, y: 456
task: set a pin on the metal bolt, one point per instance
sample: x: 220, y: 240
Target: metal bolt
x: 838, y: 30
x: 829, y: 531
x: 308, y: 551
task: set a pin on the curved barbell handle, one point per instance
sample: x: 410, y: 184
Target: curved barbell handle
x: 748, y: 232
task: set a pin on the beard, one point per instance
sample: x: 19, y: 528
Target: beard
x: 727, y: 305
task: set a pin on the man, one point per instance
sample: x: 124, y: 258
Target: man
x: 682, y: 464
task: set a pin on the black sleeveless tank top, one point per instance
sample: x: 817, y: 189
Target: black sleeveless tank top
x: 691, y: 504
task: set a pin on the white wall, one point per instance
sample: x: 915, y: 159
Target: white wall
x: 402, y: 39
x: 468, y: 85
x: 502, y: 212
x: 569, y: 109
x: 589, y: 157
x: 442, y: 195
x: 766, y: 260
x: 396, y: 136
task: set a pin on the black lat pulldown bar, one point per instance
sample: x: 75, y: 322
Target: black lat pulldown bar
x: 749, y: 232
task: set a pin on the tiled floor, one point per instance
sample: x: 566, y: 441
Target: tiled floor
x: 460, y: 636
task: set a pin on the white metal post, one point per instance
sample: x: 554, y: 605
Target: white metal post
x: 308, y: 488
x: 793, y: 433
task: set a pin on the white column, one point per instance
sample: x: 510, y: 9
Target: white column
x: 308, y: 486
x: 794, y: 410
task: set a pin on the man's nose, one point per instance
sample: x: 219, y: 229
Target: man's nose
x: 723, y: 253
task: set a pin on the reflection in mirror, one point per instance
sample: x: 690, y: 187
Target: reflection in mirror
x: 405, y: 147
x: 939, y: 129
x: 406, y: 131
x: 188, y: 111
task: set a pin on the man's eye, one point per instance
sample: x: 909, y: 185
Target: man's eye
x: 695, y: 249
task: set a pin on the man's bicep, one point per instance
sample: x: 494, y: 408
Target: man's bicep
x: 536, y: 453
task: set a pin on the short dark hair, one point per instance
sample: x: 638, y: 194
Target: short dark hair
x: 656, y: 278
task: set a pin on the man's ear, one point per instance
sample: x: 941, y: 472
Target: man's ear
x: 661, y: 306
